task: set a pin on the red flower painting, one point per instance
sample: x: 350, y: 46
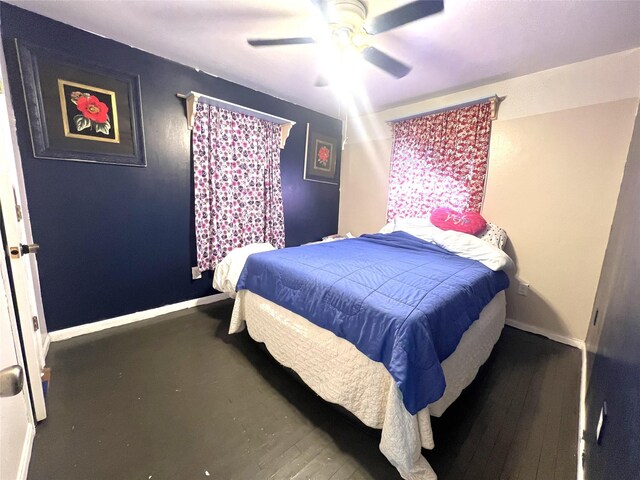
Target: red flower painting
x: 93, y: 109
x: 320, y: 159
x: 323, y: 155
x: 93, y: 115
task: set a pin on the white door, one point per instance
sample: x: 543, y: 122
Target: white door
x: 16, y: 420
x: 23, y: 267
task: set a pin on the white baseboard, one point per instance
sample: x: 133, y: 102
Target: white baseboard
x: 71, y: 332
x: 573, y: 342
x: 45, y: 346
x: 25, y: 458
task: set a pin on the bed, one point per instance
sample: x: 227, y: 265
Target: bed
x: 306, y: 337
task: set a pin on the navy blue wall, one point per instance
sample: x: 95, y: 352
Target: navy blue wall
x: 116, y: 239
x: 613, y: 341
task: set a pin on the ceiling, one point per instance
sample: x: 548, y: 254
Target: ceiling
x: 473, y: 42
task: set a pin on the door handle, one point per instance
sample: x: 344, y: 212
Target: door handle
x: 17, y: 252
x: 29, y: 248
x: 11, y: 381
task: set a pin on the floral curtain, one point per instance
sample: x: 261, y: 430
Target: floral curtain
x: 236, y: 174
x: 439, y: 160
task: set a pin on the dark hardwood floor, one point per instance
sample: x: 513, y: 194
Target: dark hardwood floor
x: 177, y: 398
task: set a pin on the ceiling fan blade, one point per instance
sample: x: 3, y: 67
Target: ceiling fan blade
x: 385, y: 62
x: 272, y: 42
x: 406, y: 14
x: 322, y: 6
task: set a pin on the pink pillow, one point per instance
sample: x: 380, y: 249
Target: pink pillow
x: 465, y: 222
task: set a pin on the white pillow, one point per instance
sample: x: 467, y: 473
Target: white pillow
x: 404, y: 224
x: 494, y: 235
x: 421, y: 227
x: 388, y: 228
x: 470, y: 246
x: 418, y: 227
x: 412, y: 222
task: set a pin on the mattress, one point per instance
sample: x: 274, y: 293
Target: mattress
x: 341, y: 374
x: 401, y: 300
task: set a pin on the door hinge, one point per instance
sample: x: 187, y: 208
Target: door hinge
x: 36, y: 326
x: 18, y: 207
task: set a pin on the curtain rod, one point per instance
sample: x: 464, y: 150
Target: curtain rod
x: 494, y: 99
x: 193, y: 97
x: 234, y: 107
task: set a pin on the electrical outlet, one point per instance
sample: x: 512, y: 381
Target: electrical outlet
x: 523, y: 289
x: 195, y: 273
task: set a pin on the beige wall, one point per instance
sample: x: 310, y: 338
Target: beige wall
x: 557, y: 155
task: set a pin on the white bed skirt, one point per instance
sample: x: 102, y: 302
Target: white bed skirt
x: 341, y: 374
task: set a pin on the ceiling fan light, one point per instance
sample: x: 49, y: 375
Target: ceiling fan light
x: 342, y: 37
x: 360, y: 40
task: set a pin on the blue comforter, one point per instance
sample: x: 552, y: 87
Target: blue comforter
x: 400, y: 300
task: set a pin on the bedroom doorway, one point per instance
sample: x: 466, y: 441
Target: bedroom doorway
x: 17, y: 427
x: 19, y: 257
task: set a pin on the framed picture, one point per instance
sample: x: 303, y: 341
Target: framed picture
x: 320, y: 164
x: 80, y: 111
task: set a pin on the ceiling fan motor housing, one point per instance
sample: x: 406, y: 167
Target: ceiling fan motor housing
x: 347, y: 14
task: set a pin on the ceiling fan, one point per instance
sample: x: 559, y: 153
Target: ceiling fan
x: 349, y: 26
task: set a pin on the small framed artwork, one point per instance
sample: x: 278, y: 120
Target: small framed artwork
x: 320, y: 164
x: 79, y: 111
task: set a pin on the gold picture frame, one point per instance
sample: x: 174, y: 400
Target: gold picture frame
x: 321, y: 158
x: 97, y: 129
